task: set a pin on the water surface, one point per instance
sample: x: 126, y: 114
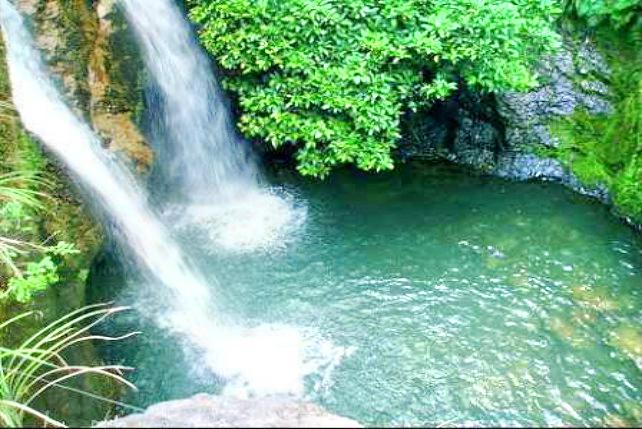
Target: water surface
x: 454, y: 299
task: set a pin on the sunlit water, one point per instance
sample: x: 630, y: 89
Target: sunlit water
x: 426, y: 296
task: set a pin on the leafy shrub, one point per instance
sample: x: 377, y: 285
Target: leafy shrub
x: 39, y: 274
x: 28, y: 266
x: 334, y: 77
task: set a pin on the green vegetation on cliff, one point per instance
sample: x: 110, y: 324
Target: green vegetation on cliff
x: 618, y: 13
x: 335, y: 77
x: 41, y: 230
x: 607, y: 149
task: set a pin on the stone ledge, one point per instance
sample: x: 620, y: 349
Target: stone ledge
x: 219, y: 411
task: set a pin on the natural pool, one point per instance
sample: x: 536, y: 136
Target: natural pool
x: 457, y: 299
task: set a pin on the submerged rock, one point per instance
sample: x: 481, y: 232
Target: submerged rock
x: 628, y: 339
x: 219, y: 411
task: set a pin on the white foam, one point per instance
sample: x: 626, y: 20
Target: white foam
x: 265, y: 360
x: 258, y: 220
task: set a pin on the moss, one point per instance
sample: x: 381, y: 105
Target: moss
x: 125, y: 70
x: 79, y: 32
x: 9, y: 127
x: 607, y: 149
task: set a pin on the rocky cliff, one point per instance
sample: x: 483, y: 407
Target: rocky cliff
x: 505, y: 134
x: 93, y: 56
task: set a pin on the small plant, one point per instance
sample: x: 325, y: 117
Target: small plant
x: 38, y: 363
x: 29, y: 266
x: 38, y: 274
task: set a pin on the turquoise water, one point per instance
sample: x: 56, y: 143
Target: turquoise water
x: 463, y: 300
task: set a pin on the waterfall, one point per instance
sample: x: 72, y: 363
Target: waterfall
x: 203, y: 158
x: 260, y: 360
x: 44, y: 113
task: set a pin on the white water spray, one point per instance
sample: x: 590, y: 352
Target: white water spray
x: 207, y: 157
x: 204, y: 158
x: 263, y: 360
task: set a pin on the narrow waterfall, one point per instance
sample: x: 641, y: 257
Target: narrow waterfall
x: 204, y: 154
x: 260, y: 360
x: 203, y: 159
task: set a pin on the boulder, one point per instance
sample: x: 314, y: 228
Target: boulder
x: 220, y: 411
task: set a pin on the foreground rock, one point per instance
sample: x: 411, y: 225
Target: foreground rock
x: 219, y: 411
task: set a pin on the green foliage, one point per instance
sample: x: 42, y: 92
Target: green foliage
x: 37, y: 364
x: 618, y: 13
x: 37, y: 277
x: 30, y: 267
x: 607, y: 149
x: 334, y: 77
x: 34, y: 208
x: 40, y: 274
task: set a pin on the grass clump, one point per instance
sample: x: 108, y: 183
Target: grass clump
x: 38, y: 363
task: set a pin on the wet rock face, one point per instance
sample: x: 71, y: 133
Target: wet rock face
x: 573, y: 79
x: 500, y: 134
x: 219, y: 411
x: 92, y: 54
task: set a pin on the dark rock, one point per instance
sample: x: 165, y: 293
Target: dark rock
x: 572, y: 80
x: 220, y: 411
x: 528, y: 166
x: 499, y: 135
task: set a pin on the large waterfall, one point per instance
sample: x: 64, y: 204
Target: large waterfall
x: 203, y: 159
x: 262, y: 360
x: 44, y: 113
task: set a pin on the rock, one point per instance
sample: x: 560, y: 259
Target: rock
x: 476, y: 141
x: 572, y: 80
x: 219, y: 411
x: 115, y: 87
x: 498, y: 135
x: 528, y: 166
x: 92, y: 53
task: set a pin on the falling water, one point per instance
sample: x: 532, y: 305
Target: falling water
x: 44, y: 113
x: 264, y: 359
x: 203, y: 157
x: 205, y: 154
